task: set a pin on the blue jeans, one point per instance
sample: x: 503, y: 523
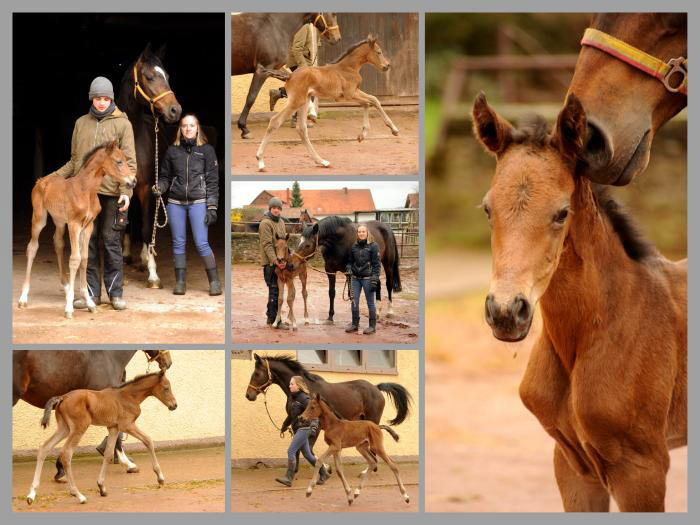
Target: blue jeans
x: 177, y: 217
x: 301, y: 441
x: 357, y: 286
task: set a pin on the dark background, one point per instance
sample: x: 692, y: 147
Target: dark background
x: 56, y: 56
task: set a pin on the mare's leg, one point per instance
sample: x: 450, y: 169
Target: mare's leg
x: 363, y: 449
x: 365, y: 122
x: 148, y: 442
x: 303, y: 131
x: 331, y: 298
x: 67, y: 457
x: 84, y: 247
x: 578, y: 494
x: 39, y: 216
x: 339, y: 467
x: 379, y: 450
x: 255, y: 85
x: 365, y: 98
x: 58, y: 245
x: 49, y: 444
x: 109, y: 453
x: 291, y: 293
x: 74, y: 231
x: 148, y: 209
x: 275, y: 122
x: 319, y: 462
x: 131, y: 467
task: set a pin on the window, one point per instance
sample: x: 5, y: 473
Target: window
x: 241, y: 354
x: 363, y: 361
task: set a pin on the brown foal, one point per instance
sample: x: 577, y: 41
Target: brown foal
x: 607, y: 377
x: 366, y: 436
x: 339, y: 80
x: 285, y: 278
x: 73, y: 202
x: 114, y: 408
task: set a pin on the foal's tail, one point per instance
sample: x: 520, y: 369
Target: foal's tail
x: 274, y: 73
x: 390, y: 431
x: 401, y: 399
x: 48, y: 407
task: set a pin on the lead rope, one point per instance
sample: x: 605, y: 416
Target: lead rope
x: 159, y: 197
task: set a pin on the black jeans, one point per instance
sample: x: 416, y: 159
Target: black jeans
x: 273, y: 292
x: 113, y: 261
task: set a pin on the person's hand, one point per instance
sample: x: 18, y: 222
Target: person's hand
x: 373, y: 282
x: 156, y: 190
x: 124, y: 199
x: 210, y: 217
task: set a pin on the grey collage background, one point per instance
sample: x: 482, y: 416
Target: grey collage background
x: 6, y: 87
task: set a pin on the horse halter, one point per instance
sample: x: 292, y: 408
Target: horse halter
x: 150, y: 359
x: 262, y: 388
x: 637, y: 58
x: 305, y: 258
x: 325, y: 24
x: 139, y: 89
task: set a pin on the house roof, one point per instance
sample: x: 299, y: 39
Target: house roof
x: 322, y: 202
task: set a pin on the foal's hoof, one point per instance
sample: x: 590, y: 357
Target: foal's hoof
x: 103, y: 492
x: 161, y: 482
x: 132, y: 470
x: 357, y: 493
x: 395, y: 132
x: 407, y: 499
x: 22, y: 304
x: 82, y: 499
x: 154, y: 284
x: 92, y: 309
x: 308, y: 494
x: 389, y: 315
x: 324, y: 163
x: 69, y: 315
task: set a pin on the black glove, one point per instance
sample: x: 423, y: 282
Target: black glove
x: 155, y: 190
x: 373, y: 282
x: 314, y: 427
x: 211, y: 217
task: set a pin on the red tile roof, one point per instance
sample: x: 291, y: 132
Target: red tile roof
x: 323, y: 202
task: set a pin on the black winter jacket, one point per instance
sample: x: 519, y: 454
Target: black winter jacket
x: 296, y: 404
x: 190, y: 175
x: 364, y: 260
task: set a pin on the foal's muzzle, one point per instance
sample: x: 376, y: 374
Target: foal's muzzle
x: 509, y: 321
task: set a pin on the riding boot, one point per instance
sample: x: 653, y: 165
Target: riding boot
x: 372, y: 324
x: 289, y: 478
x: 275, y: 95
x: 354, y: 325
x: 212, y: 275
x: 180, y: 273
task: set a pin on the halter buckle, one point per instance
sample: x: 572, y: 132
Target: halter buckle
x: 676, y: 65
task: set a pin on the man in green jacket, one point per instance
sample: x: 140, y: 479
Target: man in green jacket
x: 104, y: 122
x: 302, y: 52
x: 271, y: 224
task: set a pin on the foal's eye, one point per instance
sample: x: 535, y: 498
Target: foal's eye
x: 487, y: 210
x: 561, y: 216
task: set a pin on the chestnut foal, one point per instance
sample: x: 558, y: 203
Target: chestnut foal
x: 285, y: 278
x: 366, y: 436
x: 114, y: 408
x: 73, y: 202
x: 607, y: 377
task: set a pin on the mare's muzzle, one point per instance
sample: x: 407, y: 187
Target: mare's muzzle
x: 509, y: 321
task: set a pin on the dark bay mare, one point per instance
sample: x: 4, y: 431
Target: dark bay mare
x: 607, y: 376
x: 628, y: 93
x: 145, y: 95
x: 264, y: 38
x: 335, y: 236
x: 39, y: 375
x: 358, y: 399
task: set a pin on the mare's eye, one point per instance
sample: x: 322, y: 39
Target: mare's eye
x: 561, y: 216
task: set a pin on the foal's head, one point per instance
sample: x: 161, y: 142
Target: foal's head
x: 528, y: 207
x: 163, y: 392
x: 282, y: 249
x: 112, y: 160
x: 313, y: 408
x: 375, y: 56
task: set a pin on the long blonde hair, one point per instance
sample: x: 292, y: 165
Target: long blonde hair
x: 201, y: 137
x: 370, y: 238
x: 301, y: 384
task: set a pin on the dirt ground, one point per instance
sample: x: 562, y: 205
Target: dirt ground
x: 152, y: 315
x: 194, y: 482
x: 335, y: 139
x: 249, y: 299
x: 492, y: 455
x: 255, y: 490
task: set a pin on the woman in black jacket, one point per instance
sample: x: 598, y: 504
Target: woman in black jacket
x: 190, y: 175
x: 363, y: 270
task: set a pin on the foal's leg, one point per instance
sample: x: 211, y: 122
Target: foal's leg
x: 366, y: 98
x: 280, y: 302
x: 638, y: 481
x: 74, y: 230
x: 304, y: 294
x: 38, y: 222
x: 49, y: 444
x: 303, y: 131
x: 58, y: 245
x: 67, y: 458
x: 275, y: 122
x: 365, y: 122
x: 291, y: 293
x: 379, y: 450
x: 84, y: 244
x: 578, y: 494
x: 339, y: 467
x: 319, y: 462
x: 371, y: 465
x: 109, y: 453
x: 148, y: 442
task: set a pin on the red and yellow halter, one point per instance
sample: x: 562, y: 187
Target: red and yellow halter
x: 645, y: 62
x: 262, y: 388
x: 326, y: 27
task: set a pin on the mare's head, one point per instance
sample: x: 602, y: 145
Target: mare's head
x: 308, y: 241
x: 375, y: 55
x: 625, y: 105
x: 155, y: 83
x: 528, y: 207
x: 163, y: 391
x: 162, y: 357
x: 112, y: 160
x: 327, y: 24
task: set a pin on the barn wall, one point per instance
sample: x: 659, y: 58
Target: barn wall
x: 198, y: 382
x: 254, y: 438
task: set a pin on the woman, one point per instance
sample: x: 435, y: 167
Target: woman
x: 363, y: 271
x: 190, y: 175
x: 303, y: 431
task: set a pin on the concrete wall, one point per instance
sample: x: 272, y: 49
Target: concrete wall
x: 245, y: 247
x: 198, y: 382
x: 254, y: 438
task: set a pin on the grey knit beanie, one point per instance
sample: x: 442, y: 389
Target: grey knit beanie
x: 101, y: 87
x: 274, y: 203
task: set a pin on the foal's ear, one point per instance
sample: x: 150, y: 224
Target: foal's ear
x: 111, y: 145
x: 570, y: 131
x: 286, y: 238
x: 371, y: 39
x: 317, y: 396
x: 492, y: 131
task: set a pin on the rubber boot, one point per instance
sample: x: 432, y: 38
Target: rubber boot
x: 212, y: 275
x: 354, y: 326
x: 180, y: 273
x: 372, y: 324
x: 289, y: 478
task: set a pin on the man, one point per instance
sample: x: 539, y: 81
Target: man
x: 271, y: 224
x: 302, y: 52
x: 104, y: 122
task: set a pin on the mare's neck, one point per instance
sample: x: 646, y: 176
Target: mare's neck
x: 281, y: 377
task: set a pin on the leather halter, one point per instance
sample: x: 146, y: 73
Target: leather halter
x: 307, y: 257
x: 150, y: 359
x: 637, y: 58
x: 139, y: 89
x: 262, y: 388
x: 325, y: 24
